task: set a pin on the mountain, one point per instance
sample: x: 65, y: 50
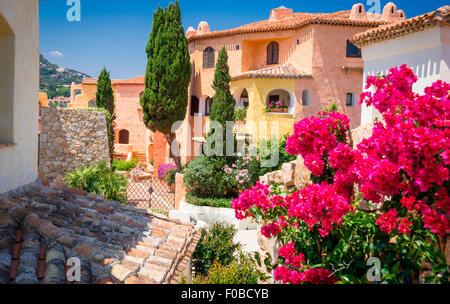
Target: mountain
x: 55, y: 80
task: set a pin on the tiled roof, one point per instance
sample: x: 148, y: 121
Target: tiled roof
x: 415, y: 24
x: 285, y: 71
x: 297, y: 21
x: 41, y: 228
x: 136, y: 80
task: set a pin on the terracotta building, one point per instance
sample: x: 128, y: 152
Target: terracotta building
x: 133, y: 139
x: 303, y: 60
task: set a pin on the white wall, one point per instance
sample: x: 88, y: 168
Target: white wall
x: 18, y: 163
x: 424, y: 52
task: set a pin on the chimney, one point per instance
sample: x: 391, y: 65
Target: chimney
x: 281, y: 13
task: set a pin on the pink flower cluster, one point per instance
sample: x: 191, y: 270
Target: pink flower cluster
x: 315, y: 137
x: 389, y: 221
x: 318, y: 206
x: 290, y: 273
x: 408, y: 153
x: 312, y: 276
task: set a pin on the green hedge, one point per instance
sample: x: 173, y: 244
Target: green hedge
x: 208, y: 201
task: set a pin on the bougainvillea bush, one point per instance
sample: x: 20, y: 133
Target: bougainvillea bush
x: 401, y: 174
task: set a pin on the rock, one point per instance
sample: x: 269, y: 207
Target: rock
x: 275, y: 178
x: 287, y: 173
x: 302, y: 176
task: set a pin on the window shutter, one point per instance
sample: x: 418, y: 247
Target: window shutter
x: 275, y: 53
x: 269, y: 54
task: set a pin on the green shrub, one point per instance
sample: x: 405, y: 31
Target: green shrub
x: 215, y: 245
x: 240, y: 271
x: 265, y: 153
x: 204, y: 177
x: 170, y: 177
x: 99, y: 179
x: 208, y: 201
x: 240, y: 113
x: 121, y: 165
x: 113, y: 186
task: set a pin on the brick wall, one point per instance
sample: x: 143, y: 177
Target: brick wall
x: 70, y: 139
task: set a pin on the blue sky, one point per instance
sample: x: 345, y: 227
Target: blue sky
x: 114, y: 33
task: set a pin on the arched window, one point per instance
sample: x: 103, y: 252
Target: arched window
x: 195, y: 105
x: 279, y: 101
x: 208, y: 105
x: 306, y: 98
x: 77, y: 92
x: 272, y: 53
x: 350, y: 99
x: 208, y: 58
x: 244, y: 98
x: 124, y: 137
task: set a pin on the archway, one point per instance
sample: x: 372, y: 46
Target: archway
x: 280, y: 99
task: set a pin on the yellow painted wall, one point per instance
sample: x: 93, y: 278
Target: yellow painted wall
x: 258, y: 90
x: 88, y: 92
x: 43, y: 99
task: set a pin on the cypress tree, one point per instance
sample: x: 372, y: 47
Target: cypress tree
x: 105, y: 100
x: 223, y: 104
x: 168, y: 74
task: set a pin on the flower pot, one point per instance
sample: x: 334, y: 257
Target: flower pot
x: 285, y: 110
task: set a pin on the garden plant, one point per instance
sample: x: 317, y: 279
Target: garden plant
x: 399, y: 214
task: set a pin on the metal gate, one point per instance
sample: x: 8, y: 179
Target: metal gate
x: 151, y: 193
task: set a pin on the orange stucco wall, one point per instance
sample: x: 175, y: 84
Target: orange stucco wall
x: 129, y: 115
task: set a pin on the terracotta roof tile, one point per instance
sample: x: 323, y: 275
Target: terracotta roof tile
x: 297, y: 21
x: 438, y: 17
x: 285, y: 71
x: 135, y: 80
x: 41, y: 228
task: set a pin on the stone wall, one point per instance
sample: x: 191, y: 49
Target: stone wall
x: 70, y: 139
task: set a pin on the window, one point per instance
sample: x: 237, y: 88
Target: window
x: 195, y: 105
x: 306, y: 98
x: 244, y: 98
x: 237, y: 47
x: 124, y: 137
x: 352, y: 50
x: 272, y: 53
x: 208, y: 58
x: 208, y: 105
x: 350, y: 99
x: 7, y: 83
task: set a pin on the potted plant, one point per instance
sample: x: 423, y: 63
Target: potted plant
x: 240, y: 114
x: 277, y: 106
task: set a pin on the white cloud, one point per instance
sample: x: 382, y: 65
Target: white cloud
x: 56, y: 54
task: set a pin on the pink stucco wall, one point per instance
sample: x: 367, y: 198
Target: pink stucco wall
x: 129, y: 115
x: 317, y: 49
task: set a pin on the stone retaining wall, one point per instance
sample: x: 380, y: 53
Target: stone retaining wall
x: 70, y: 139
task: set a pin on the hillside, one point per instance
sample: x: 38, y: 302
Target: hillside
x: 54, y: 80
